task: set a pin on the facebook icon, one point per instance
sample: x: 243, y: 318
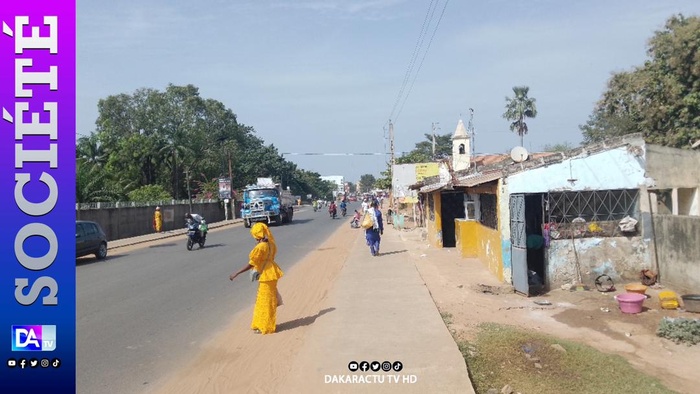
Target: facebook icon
x: 33, y: 338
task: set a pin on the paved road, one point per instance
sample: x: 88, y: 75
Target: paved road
x: 145, y: 311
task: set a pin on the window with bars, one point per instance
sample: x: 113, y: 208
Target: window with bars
x: 489, y: 215
x: 592, y: 206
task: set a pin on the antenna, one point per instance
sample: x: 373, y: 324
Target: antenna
x: 470, y: 126
x: 518, y: 154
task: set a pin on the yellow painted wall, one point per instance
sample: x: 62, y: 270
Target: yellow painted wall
x: 476, y: 240
x: 435, y: 225
x: 466, y: 235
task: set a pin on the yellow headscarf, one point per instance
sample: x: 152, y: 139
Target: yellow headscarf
x: 260, y: 230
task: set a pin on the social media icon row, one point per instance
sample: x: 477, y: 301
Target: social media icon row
x: 375, y: 366
x: 33, y: 363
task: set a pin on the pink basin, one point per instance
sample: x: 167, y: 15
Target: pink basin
x: 630, y: 302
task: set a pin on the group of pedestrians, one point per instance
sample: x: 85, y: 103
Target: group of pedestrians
x: 267, y: 272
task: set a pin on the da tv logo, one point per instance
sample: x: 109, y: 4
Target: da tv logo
x: 33, y: 338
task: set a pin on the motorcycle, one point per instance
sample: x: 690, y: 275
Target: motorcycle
x: 333, y: 213
x: 343, y: 211
x: 355, y: 223
x: 315, y: 208
x: 195, y: 235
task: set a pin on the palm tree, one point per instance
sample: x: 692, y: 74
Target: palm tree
x: 518, y: 108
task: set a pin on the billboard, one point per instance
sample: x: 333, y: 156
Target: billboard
x: 224, y: 188
x: 405, y: 175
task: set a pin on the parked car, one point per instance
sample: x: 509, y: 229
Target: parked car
x: 90, y: 239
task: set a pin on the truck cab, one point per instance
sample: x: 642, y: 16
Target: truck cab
x: 266, y: 202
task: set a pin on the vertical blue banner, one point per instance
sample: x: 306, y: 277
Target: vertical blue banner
x: 37, y: 191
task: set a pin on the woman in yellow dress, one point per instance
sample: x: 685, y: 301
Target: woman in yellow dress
x: 262, y: 259
x: 158, y: 220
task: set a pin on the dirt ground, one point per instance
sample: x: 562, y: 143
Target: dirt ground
x: 465, y: 289
x: 235, y: 358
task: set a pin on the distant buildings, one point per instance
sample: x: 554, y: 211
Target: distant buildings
x: 338, y: 180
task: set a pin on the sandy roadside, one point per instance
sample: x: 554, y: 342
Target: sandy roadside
x: 236, y: 359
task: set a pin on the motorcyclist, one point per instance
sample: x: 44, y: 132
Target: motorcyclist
x: 199, y: 221
x: 343, y: 208
x: 332, y: 209
x: 315, y: 205
x: 355, y: 223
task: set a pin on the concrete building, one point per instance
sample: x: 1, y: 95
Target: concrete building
x: 571, y: 216
x: 338, y: 180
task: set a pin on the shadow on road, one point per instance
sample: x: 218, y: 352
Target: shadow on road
x: 163, y: 245
x: 304, y: 321
x: 298, y: 221
x: 80, y: 261
x: 394, y: 252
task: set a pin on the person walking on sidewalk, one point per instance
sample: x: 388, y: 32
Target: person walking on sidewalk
x: 262, y: 259
x: 158, y: 221
x: 374, y: 233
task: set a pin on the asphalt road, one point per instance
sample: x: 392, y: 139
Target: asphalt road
x: 145, y: 311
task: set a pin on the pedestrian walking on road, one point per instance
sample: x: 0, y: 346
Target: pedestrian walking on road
x: 262, y: 260
x: 374, y: 233
x: 158, y: 221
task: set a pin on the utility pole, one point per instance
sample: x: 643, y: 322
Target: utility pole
x: 230, y: 179
x: 189, y: 194
x: 435, y: 127
x: 392, y: 161
x: 471, y: 130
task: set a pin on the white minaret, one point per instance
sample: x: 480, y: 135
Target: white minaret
x: 460, y: 148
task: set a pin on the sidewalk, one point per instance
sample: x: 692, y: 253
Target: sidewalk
x: 119, y: 243
x: 382, y: 311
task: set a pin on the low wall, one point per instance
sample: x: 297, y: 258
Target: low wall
x: 621, y: 258
x: 678, y: 251
x: 476, y: 240
x: 125, y: 222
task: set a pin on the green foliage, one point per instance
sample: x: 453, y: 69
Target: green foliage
x: 93, y: 185
x: 518, y: 108
x: 149, y: 193
x: 423, y: 151
x: 680, y: 330
x: 153, y: 137
x: 661, y: 98
x: 367, y: 183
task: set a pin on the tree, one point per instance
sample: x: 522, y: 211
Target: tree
x: 149, y: 193
x: 423, y: 150
x: 367, y: 183
x: 661, y: 98
x: 518, y: 108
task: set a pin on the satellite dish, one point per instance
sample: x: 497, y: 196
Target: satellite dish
x: 518, y: 154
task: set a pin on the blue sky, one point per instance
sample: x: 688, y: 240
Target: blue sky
x: 324, y: 76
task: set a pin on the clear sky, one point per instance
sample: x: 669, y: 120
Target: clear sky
x: 326, y: 76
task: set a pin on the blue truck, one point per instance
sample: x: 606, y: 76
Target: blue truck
x: 267, y: 202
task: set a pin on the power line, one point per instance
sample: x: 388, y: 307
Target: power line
x: 420, y: 65
x: 414, y: 56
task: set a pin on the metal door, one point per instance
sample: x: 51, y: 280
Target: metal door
x: 518, y: 243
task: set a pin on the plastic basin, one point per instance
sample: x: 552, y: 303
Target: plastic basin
x: 636, y: 288
x: 630, y: 302
x: 691, y: 302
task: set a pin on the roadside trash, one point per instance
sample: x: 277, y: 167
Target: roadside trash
x: 628, y: 225
x: 604, y: 283
x: 627, y: 334
x: 543, y: 302
x: 604, y: 309
x: 566, y: 286
x: 648, y: 277
x: 423, y: 255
